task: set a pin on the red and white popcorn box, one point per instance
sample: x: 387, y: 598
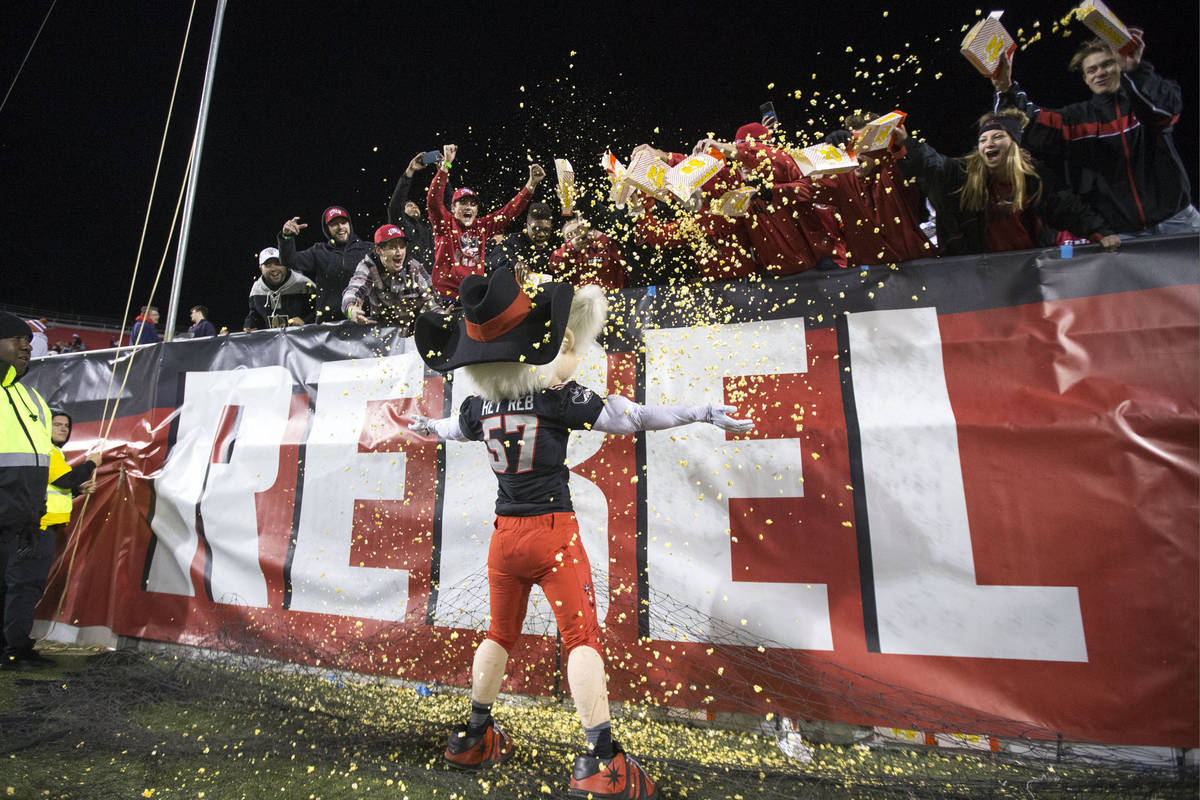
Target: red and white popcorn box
x: 612, y: 166
x: 566, y: 185
x: 877, y: 134
x: 824, y: 159
x: 986, y: 42
x: 685, y: 178
x: 647, y: 173
x: 734, y: 203
x: 903, y: 735
x: 1105, y: 24
x: 621, y: 191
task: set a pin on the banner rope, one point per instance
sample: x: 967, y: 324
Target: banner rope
x: 109, y: 419
x: 28, y: 52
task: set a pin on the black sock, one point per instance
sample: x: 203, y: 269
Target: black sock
x: 480, y: 714
x: 600, y: 740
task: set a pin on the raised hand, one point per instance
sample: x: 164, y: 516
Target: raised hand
x: 293, y: 227
x: 1126, y: 63
x: 1002, y: 80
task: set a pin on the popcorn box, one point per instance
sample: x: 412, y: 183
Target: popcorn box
x: 877, y: 134
x: 824, y: 159
x: 904, y: 736
x: 612, y: 165
x: 535, y: 279
x: 621, y: 190
x: 967, y: 741
x: 685, y: 178
x: 566, y: 185
x: 734, y: 203
x: 986, y: 42
x: 1104, y: 23
x: 648, y: 174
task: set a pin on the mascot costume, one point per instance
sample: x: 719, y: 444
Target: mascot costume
x: 521, y: 351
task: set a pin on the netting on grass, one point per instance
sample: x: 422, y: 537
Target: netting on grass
x: 224, y: 720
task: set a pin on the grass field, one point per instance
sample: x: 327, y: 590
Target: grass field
x: 134, y: 725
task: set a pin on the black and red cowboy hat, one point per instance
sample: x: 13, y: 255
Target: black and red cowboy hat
x: 497, y: 322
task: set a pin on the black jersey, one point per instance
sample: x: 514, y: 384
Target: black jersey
x: 527, y: 444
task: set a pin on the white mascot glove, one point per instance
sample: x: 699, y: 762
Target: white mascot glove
x: 719, y: 416
x: 421, y: 426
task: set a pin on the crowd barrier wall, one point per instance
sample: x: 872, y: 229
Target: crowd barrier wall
x: 973, y: 479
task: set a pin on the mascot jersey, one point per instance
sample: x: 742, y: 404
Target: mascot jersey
x: 527, y: 444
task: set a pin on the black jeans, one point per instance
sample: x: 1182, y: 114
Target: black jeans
x: 25, y: 558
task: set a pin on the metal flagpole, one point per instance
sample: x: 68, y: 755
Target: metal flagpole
x: 186, y: 226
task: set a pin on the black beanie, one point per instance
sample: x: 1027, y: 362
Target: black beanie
x: 1009, y: 125
x: 13, y: 326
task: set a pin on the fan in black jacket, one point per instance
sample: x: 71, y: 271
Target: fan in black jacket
x: 996, y: 198
x: 330, y: 263
x: 1118, y: 147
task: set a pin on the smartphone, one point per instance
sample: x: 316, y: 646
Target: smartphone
x: 769, y: 119
x: 431, y: 157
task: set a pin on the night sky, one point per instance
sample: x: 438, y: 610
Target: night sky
x: 313, y: 108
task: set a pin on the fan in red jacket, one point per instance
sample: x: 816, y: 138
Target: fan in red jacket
x: 721, y: 247
x: 460, y: 235
x: 878, y: 211
x: 785, y: 228
x: 588, y: 257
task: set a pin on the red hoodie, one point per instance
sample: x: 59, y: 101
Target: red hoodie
x: 787, y: 233
x: 722, y: 249
x: 458, y: 251
x: 879, y: 220
x: 599, y: 262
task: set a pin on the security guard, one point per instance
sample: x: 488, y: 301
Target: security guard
x: 25, y: 447
x: 71, y: 481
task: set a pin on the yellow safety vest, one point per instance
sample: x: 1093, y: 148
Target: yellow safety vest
x: 24, y: 448
x: 58, y: 501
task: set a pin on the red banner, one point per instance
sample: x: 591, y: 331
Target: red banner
x: 969, y: 502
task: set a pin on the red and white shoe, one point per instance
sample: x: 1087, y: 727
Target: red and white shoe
x: 487, y: 749
x: 619, y: 778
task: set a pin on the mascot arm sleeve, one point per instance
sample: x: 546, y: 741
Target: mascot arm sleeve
x: 447, y: 428
x: 621, y: 416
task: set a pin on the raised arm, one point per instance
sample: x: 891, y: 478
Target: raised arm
x: 403, y: 188
x: 919, y: 160
x: 622, y: 416
x: 435, y: 199
x: 498, y: 220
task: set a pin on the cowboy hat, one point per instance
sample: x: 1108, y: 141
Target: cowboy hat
x: 497, y: 322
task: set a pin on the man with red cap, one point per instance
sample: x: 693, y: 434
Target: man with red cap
x: 460, y: 235
x: 388, y: 287
x: 328, y: 264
